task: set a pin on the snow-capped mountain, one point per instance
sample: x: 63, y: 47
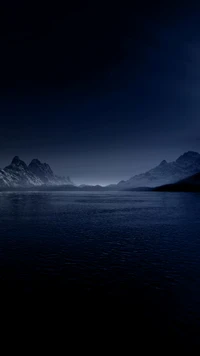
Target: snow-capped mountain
x: 18, y: 174
x: 165, y: 173
x: 44, y: 172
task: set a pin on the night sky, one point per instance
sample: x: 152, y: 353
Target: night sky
x: 98, y: 90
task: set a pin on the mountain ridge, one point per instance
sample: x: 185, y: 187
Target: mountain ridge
x: 36, y: 174
x: 189, y: 184
x: 166, y: 172
x: 40, y: 175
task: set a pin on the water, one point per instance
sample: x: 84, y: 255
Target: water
x: 136, y: 255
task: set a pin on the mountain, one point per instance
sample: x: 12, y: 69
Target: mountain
x: 44, y: 172
x: 36, y: 174
x: 166, y: 172
x: 190, y: 184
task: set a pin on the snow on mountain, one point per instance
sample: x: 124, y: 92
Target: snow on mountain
x: 186, y: 165
x: 18, y: 174
x: 46, y: 175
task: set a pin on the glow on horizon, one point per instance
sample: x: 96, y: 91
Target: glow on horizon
x: 93, y: 183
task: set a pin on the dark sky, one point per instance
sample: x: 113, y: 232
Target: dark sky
x: 100, y: 91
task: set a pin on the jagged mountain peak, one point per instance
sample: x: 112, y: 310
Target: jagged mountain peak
x: 18, y: 174
x: 35, y: 161
x: 38, y: 162
x: 41, y: 169
x: 188, y: 155
x: 46, y: 175
x: 16, y: 159
x: 18, y: 162
x: 163, y: 162
x: 187, y: 158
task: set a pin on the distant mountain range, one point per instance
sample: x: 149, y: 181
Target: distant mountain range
x: 166, y: 172
x: 36, y: 174
x: 40, y: 175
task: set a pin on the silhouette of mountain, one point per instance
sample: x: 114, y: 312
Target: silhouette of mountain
x: 185, y: 166
x: 37, y: 174
x: 190, y: 184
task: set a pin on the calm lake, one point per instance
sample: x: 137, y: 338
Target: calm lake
x: 132, y: 253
